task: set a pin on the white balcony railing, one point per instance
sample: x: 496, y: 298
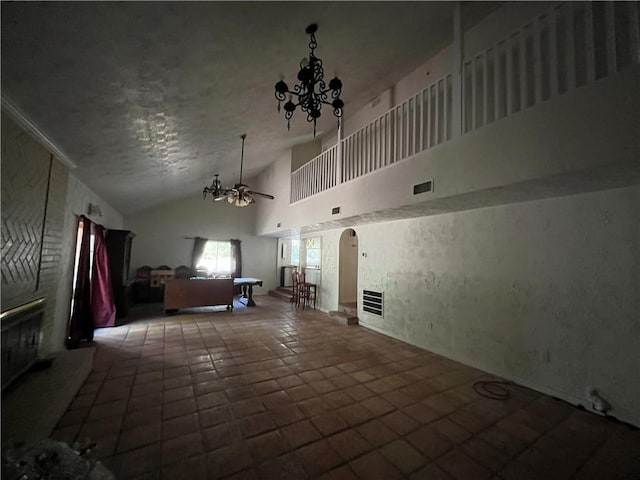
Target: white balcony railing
x: 568, y: 46
x: 315, y: 176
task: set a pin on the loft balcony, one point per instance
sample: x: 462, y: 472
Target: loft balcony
x: 550, y: 109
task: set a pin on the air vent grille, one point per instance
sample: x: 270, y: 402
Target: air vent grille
x: 335, y: 210
x: 423, y: 187
x: 373, y: 302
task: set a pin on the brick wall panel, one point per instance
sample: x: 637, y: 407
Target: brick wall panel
x: 25, y: 172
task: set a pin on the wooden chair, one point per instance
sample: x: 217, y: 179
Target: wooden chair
x: 184, y: 272
x: 295, y: 285
x: 307, y: 291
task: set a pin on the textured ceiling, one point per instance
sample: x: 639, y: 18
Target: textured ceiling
x: 149, y: 99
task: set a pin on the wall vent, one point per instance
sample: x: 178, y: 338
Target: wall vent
x: 279, y: 224
x: 335, y: 210
x: 373, y: 302
x: 423, y: 187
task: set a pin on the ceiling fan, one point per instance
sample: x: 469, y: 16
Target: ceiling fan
x: 239, y: 195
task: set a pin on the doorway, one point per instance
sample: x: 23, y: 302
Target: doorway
x: 348, y: 272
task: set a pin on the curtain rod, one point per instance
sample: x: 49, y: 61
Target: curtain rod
x: 212, y: 239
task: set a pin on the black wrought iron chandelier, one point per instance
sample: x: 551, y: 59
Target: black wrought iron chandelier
x: 312, y: 91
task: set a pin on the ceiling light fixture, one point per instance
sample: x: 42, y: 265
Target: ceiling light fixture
x: 239, y: 195
x: 312, y: 91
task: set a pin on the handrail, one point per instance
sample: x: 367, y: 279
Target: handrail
x: 569, y: 45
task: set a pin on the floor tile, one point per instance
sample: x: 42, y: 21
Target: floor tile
x: 403, y: 456
x: 277, y: 392
x: 318, y: 458
x: 300, y: 433
x: 349, y: 444
x: 374, y: 465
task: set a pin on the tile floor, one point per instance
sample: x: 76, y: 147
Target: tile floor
x: 272, y: 392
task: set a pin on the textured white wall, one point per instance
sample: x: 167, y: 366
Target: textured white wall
x: 301, y: 154
x: 543, y: 292
x: 276, y: 180
x: 160, y: 236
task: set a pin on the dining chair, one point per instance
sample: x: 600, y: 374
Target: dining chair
x: 307, y: 291
x: 294, y: 288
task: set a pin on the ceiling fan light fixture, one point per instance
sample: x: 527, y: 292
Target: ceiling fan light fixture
x: 239, y: 195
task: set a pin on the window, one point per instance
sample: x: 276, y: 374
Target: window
x: 216, y: 258
x: 295, y: 252
x: 313, y: 252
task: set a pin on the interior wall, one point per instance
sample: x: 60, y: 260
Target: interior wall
x: 303, y: 153
x: 40, y: 201
x: 348, y: 269
x: 544, y: 292
x: 161, y: 231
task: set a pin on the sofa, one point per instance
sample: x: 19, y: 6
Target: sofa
x: 197, y: 292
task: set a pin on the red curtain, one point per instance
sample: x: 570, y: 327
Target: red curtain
x: 103, y: 308
x: 81, y: 323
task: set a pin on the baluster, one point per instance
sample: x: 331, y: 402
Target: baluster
x: 571, y: 53
x: 372, y: 146
x: 309, y: 179
x: 356, y: 158
x: 346, y: 168
x: 421, y: 141
x: 522, y: 67
x: 497, y: 93
x: 537, y: 57
x: 509, y: 76
x: 328, y: 183
x: 474, y: 95
x: 314, y: 178
x: 367, y: 153
x: 307, y: 190
x: 611, y: 37
x: 429, y: 119
x: 485, y: 86
x: 332, y: 169
x: 387, y: 139
x: 378, y: 142
x: 414, y: 140
x: 383, y: 140
x: 448, y: 106
x: 405, y: 129
x: 553, y: 53
x: 397, y: 146
x: 634, y: 31
x: 436, y: 126
x: 325, y: 168
x: 589, y: 42
x: 360, y: 168
x: 356, y: 154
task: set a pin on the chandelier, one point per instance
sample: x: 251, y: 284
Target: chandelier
x: 312, y: 90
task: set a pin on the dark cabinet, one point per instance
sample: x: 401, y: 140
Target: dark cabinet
x: 118, y: 244
x: 20, y: 338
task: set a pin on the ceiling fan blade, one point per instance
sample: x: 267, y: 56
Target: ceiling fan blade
x: 265, y: 195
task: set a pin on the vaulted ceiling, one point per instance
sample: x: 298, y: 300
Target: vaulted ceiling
x: 149, y: 98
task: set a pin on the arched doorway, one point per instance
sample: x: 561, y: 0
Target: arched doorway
x: 348, y: 272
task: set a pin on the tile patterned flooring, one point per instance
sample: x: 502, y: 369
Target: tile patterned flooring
x: 272, y: 392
